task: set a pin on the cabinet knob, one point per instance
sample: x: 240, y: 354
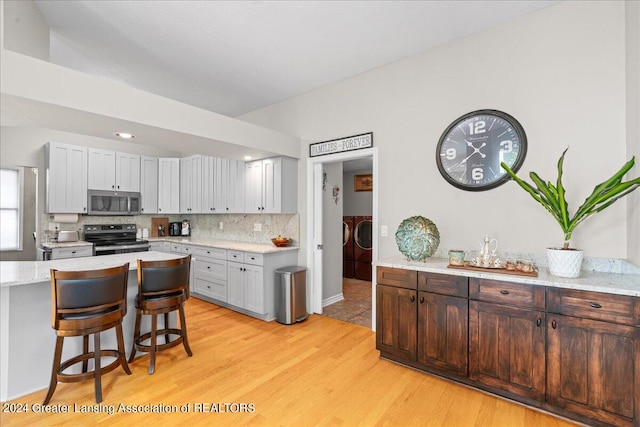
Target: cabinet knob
x: 159, y: 209
x: 554, y: 325
x: 421, y: 300
x: 503, y: 292
x: 539, y: 322
x: 595, y: 305
x: 412, y: 299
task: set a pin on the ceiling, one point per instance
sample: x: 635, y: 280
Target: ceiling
x: 233, y: 57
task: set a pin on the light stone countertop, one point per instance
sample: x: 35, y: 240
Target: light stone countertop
x: 15, y: 273
x: 259, y: 248
x: 54, y: 245
x: 611, y: 283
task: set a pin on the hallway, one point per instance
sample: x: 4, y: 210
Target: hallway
x: 356, y: 306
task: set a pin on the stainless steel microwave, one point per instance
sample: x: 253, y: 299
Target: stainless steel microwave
x: 113, y: 203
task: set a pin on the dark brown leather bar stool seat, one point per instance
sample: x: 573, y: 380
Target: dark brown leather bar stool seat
x: 86, y: 303
x: 163, y: 287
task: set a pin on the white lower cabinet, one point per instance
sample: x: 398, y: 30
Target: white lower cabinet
x: 240, y: 281
x: 71, y: 252
x: 209, y: 272
x: 160, y: 246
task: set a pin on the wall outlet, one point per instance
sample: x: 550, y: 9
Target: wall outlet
x: 384, y: 231
x: 257, y: 226
x: 221, y: 226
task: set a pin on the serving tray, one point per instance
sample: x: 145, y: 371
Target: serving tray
x: 494, y: 270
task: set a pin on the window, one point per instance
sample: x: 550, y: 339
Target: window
x: 10, y: 209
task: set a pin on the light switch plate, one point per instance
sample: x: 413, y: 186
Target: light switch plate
x: 257, y: 226
x: 384, y: 231
x: 221, y: 226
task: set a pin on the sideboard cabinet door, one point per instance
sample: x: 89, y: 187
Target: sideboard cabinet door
x: 396, y: 321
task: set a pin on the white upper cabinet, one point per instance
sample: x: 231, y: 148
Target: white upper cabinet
x: 66, y: 178
x: 253, y: 187
x: 191, y: 184
x: 271, y: 186
x: 111, y: 170
x: 168, y: 186
x: 235, y: 187
x: 222, y: 186
x: 149, y: 184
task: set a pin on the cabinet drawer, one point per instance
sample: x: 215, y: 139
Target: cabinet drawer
x: 215, y: 267
x: 508, y: 293
x: 444, y: 284
x: 594, y: 305
x: 398, y: 277
x: 210, y: 287
x: 204, y: 252
x: 237, y: 256
x: 73, y: 252
x: 253, y: 258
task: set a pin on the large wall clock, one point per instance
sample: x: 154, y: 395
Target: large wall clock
x: 471, y: 148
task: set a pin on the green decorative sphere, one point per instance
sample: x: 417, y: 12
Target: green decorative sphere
x: 417, y: 238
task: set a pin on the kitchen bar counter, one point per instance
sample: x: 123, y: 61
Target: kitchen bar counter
x: 16, y: 273
x: 611, y: 283
x: 260, y: 248
x: 27, y: 340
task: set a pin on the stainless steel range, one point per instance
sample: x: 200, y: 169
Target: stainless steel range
x: 114, y: 239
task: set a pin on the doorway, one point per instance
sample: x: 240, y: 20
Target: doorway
x: 315, y: 239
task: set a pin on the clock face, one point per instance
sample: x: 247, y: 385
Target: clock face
x: 471, y: 149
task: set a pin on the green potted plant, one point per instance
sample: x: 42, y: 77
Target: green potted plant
x: 567, y: 261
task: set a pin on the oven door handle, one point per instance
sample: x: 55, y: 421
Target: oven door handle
x: 121, y: 247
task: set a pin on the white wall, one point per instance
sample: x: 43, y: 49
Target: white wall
x: 633, y: 122
x: 356, y: 203
x: 559, y: 71
x: 24, y: 29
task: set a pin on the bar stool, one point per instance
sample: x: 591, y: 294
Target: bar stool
x: 86, y: 303
x: 163, y: 287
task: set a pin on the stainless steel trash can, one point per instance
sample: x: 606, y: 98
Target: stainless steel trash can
x: 291, y: 294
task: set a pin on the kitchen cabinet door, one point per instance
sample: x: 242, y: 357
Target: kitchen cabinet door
x: 102, y: 169
x: 168, y: 186
x: 396, y: 320
x: 220, y: 185
x: 235, y: 187
x: 272, y: 185
x: 127, y: 172
x: 507, y: 348
x: 208, y: 180
x: 66, y: 171
x: 443, y: 332
x: 235, y: 284
x: 594, y: 369
x: 253, y: 187
x: 191, y: 184
x: 149, y: 184
x: 254, y: 288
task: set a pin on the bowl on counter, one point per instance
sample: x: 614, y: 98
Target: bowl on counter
x: 280, y: 241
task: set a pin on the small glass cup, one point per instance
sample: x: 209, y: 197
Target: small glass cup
x: 511, y: 264
x: 456, y: 257
x: 527, y: 266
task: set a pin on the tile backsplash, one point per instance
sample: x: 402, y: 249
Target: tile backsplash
x: 237, y: 227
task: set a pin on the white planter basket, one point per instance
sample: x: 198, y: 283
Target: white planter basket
x: 564, y: 262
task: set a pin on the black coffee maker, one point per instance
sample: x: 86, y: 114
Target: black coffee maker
x: 175, y: 229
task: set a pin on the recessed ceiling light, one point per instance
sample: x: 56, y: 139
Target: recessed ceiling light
x: 124, y: 135
x: 248, y: 157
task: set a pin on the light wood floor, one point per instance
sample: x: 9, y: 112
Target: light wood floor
x: 321, y: 372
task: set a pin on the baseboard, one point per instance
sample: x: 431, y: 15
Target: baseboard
x: 332, y: 300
